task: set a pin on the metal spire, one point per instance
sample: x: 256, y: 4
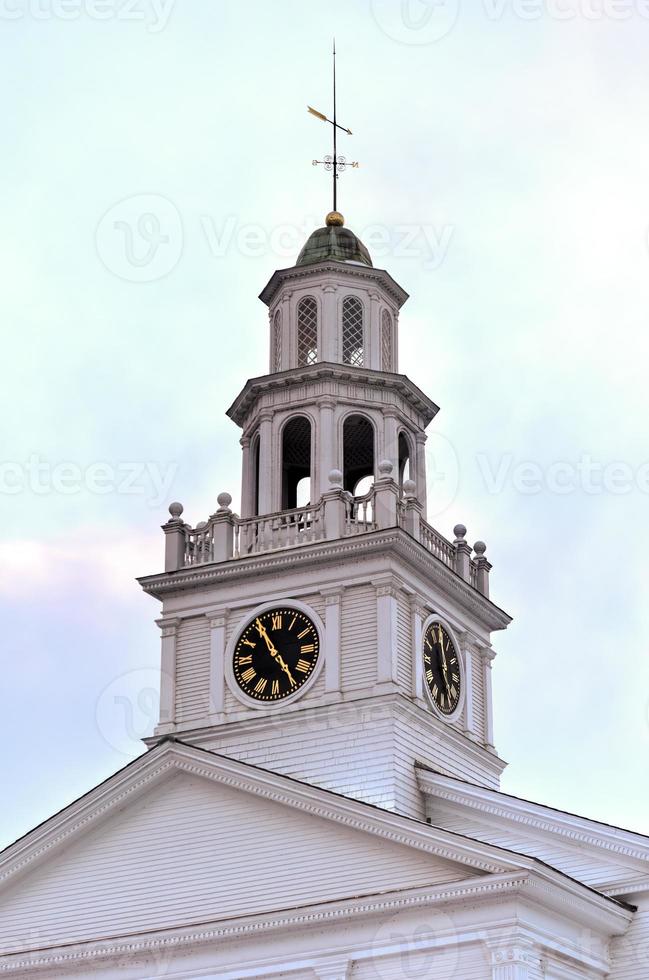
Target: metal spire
x: 336, y: 164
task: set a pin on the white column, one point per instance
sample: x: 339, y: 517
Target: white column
x: 420, y: 468
x: 487, y: 659
x: 289, y: 352
x: 329, y: 326
x: 372, y: 338
x: 390, y: 448
x: 417, y: 617
x: 324, y: 440
x: 169, y: 631
x: 333, y: 609
x: 218, y: 622
x: 469, y: 714
x: 266, y: 463
x: 386, y: 622
x: 247, y: 482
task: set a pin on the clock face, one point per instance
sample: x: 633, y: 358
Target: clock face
x: 442, y: 672
x: 276, y: 654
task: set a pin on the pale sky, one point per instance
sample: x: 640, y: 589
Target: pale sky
x: 503, y: 182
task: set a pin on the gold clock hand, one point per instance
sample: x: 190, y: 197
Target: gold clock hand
x: 285, y: 668
x: 274, y: 651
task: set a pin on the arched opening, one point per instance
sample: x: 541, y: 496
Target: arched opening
x: 352, y: 331
x: 276, y: 357
x: 307, y: 331
x: 387, y: 359
x: 358, y: 454
x: 254, y: 456
x: 296, y: 463
x: 405, y: 468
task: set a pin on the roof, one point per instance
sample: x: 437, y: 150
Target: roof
x: 334, y: 242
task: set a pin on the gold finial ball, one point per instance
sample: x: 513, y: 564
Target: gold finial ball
x: 334, y: 218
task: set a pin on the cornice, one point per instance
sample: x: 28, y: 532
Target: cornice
x: 572, y: 828
x: 329, y: 370
x: 300, y: 273
x: 394, y: 541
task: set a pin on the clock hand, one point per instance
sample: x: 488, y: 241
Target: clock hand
x: 440, y: 640
x: 274, y: 652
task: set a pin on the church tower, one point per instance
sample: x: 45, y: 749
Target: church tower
x: 327, y: 631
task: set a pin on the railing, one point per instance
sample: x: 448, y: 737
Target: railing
x: 337, y: 515
x: 438, y: 545
x: 272, y: 532
x: 359, y: 514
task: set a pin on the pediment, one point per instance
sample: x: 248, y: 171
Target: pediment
x: 185, y: 836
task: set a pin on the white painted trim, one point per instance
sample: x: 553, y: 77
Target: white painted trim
x: 270, y: 706
x: 419, y: 654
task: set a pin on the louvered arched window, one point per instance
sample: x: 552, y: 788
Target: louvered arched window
x: 352, y: 331
x: 387, y: 358
x: 277, y: 342
x: 307, y: 331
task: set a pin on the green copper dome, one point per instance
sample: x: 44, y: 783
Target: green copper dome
x: 334, y: 242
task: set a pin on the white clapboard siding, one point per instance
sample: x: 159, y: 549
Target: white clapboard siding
x: 193, y: 851
x: 359, y: 640
x: 630, y: 953
x: 348, y: 749
x: 581, y: 863
x: 405, y: 651
x: 192, y: 669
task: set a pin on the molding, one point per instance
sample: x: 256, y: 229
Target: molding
x: 314, y: 374
x: 395, y: 542
x: 580, y: 830
x: 337, y: 270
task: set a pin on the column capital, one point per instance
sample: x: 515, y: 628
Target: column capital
x: 332, y: 597
x: 168, y: 626
x: 512, y: 959
x: 217, y: 617
x: 266, y: 415
x: 326, y: 401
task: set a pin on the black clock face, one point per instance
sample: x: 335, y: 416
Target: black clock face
x: 276, y: 654
x: 442, y: 668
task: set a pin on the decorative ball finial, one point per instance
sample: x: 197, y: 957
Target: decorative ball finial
x: 460, y: 532
x: 334, y: 220
x: 479, y: 547
x: 409, y: 487
x: 176, y: 510
x: 336, y: 478
x: 385, y: 468
x: 224, y: 500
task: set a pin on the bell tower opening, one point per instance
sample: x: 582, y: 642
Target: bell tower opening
x: 358, y: 454
x: 405, y: 467
x: 307, y: 331
x: 296, y: 463
x: 353, y: 331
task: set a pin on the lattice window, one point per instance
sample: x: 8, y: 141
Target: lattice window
x: 386, y: 342
x: 277, y: 342
x: 352, y: 331
x: 307, y: 331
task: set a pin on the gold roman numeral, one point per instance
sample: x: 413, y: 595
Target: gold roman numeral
x: 453, y: 692
x: 248, y: 643
x: 435, y: 691
x: 260, y: 686
x: 276, y: 621
x: 304, y: 633
x: 248, y: 675
x: 245, y: 660
x: 303, y: 666
x: 429, y: 676
x: 455, y: 677
x: 274, y: 688
x: 308, y: 648
x: 292, y: 622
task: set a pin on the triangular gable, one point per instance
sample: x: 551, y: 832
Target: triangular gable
x: 609, y: 859
x: 202, y: 838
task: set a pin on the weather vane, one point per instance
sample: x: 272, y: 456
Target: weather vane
x: 334, y: 163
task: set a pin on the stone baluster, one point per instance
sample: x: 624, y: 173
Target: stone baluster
x: 386, y: 497
x: 335, y: 508
x: 175, y: 539
x: 482, y: 567
x: 223, y: 529
x: 462, y: 553
x: 412, y: 510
